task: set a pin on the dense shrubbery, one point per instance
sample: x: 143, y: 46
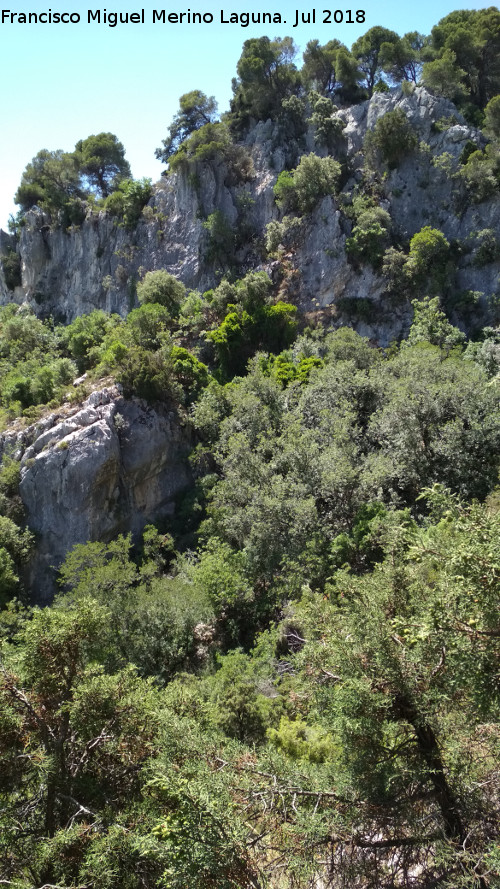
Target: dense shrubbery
x: 377, y: 680
x: 293, y: 682
x: 11, y: 265
x: 314, y: 529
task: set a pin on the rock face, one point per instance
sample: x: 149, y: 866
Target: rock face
x: 90, y: 473
x: 97, y: 265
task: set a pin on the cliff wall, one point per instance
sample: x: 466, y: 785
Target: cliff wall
x: 97, y: 265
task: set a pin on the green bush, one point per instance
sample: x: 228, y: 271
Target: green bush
x: 128, y: 201
x: 211, y: 143
x: 491, y: 124
x: 241, y: 333
x: 481, y: 173
x: 313, y: 179
x: 221, y: 244
x: 82, y: 338
x: 428, y: 259
x: 370, y: 236
x: 282, y: 234
x: 189, y: 372
x: 327, y: 127
x: 487, y: 247
x: 148, y: 325
x: 144, y: 373
x: 162, y: 288
x: 391, y: 139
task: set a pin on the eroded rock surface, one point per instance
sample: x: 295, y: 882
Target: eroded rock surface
x: 97, y: 265
x: 90, y: 473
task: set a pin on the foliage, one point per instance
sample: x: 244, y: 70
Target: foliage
x: 266, y: 76
x: 282, y: 234
x: 481, y: 173
x: 50, y: 180
x: 370, y: 236
x: 401, y: 58
x: 195, y: 111
x: 101, y: 161
x: 293, y: 680
x: 129, y: 200
x: 11, y: 266
x: 444, y: 76
x: 221, y: 239
x: 270, y: 327
x: 82, y: 338
x: 153, y: 617
x: 163, y: 289
x: 391, y: 139
x: 428, y: 258
x: 15, y: 546
x: 62, y: 183
x: 367, y: 51
x: 492, y: 118
x: 430, y: 325
x: 327, y: 127
x: 212, y: 143
x: 465, y: 48
x: 319, y: 66
x: 190, y: 373
x: 313, y: 179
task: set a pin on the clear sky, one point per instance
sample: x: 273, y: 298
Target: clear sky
x: 64, y: 82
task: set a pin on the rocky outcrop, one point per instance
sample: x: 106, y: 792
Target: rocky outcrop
x: 90, y: 472
x: 97, y: 265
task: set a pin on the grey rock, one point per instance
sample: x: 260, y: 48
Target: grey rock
x: 109, y: 467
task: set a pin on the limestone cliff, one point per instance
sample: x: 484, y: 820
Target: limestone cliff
x: 92, y: 471
x: 97, y: 265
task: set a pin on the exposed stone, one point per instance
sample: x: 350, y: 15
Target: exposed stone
x: 91, y: 473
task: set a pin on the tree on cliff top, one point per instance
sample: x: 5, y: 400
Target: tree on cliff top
x: 196, y: 110
x: 101, y: 161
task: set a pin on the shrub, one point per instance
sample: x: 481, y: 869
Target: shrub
x: 148, y: 325
x: 487, y: 249
x: 129, y: 200
x: 428, y: 259
x: 430, y: 325
x: 481, y: 172
x: 391, y: 139
x: 210, y: 143
x: 313, y: 179
x: 144, y: 374
x: 492, y: 118
x: 241, y: 333
x: 282, y: 234
x: 395, y: 271
x: 370, y: 236
x: 85, y: 334
x: 189, y: 372
x: 327, y: 127
x: 162, y: 288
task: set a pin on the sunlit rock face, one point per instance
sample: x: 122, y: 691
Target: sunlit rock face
x: 89, y: 473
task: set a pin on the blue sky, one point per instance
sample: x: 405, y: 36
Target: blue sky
x: 62, y: 83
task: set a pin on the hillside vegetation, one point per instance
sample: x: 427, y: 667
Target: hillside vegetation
x: 291, y: 682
